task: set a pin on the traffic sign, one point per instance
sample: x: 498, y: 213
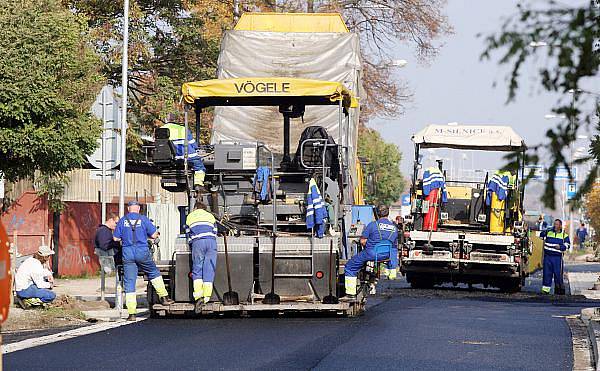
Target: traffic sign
x: 539, y: 172
x: 571, y: 190
x: 563, y: 172
x: 111, y: 174
x: 405, y: 200
x: 107, y: 107
x: 112, y: 151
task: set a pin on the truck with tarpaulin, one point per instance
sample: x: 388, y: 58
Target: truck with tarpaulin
x: 466, y: 230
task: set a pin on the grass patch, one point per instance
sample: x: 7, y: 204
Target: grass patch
x: 56, y: 313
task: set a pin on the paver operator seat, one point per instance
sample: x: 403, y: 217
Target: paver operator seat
x: 172, y: 170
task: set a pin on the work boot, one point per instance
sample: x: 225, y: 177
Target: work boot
x: 198, y: 305
x: 131, y: 318
x: 559, y: 291
x: 22, y: 303
x: 165, y: 300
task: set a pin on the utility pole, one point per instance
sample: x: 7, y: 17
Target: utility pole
x: 103, y: 192
x: 124, y: 108
x: 571, y: 143
x: 236, y: 11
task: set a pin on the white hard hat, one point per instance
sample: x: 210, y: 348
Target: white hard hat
x: 45, y: 251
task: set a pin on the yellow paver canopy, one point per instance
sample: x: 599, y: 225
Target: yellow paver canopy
x: 267, y: 91
x: 292, y: 22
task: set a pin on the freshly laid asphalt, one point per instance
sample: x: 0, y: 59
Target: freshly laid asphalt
x: 443, y: 329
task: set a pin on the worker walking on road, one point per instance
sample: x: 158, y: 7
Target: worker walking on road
x: 555, y: 243
x: 203, y: 239
x: 177, y: 135
x: 133, y: 230
x: 380, y: 241
x: 582, y: 234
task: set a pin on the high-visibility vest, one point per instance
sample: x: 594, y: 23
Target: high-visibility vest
x: 556, y: 242
x: 202, y: 225
x: 5, y: 275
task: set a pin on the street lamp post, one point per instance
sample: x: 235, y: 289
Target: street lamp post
x: 572, y: 129
x: 124, y: 108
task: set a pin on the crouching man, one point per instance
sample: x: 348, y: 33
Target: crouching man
x: 33, y: 282
x: 380, y: 242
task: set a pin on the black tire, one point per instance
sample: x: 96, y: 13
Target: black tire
x: 512, y: 286
x: 420, y: 282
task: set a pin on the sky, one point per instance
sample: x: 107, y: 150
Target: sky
x: 457, y: 86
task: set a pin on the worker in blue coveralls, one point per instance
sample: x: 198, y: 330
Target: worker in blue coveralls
x: 380, y: 242
x: 202, y: 235
x: 555, y: 243
x: 134, y: 230
x: 177, y: 137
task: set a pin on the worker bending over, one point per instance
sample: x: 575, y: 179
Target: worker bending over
x: 555, y: 243
x: 202, y: 232
x: 177, y: 135
x: 380, y: 242
x: 33, y: 281
x: 133, y: 230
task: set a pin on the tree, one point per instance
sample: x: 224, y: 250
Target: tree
x: 592, y: 207
x: 383, y: 163
x: 48, y: 81
x: 168, y: 45
x: 570, y: 36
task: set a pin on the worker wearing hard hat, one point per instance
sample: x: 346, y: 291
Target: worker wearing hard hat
x: 177, y: 134
x: 555, y: 243
x: 33, y: 282
x: 380, y: 242
x: 133, y: 230
x: 202, y: 234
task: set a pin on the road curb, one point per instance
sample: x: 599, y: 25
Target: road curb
x: 591, y: 319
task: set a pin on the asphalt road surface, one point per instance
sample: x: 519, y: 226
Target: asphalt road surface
x: 447, y: 328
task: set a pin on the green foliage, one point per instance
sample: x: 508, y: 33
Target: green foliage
x: 383, y: 163
x: 53, y: 186
x: 167, y: 47
x: 569, y: 33
x: 48, y: 81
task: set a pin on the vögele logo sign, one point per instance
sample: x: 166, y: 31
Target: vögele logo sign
x: 250, y: 87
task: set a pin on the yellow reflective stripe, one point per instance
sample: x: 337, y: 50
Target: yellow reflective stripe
x: 159, y: 286
x: 199, y: 216
x: 207, y: 288
x: 131, y: 302
x: 198, y: 289
x: 561, y: 235
x: 350, y: 284
x: 175, y: 131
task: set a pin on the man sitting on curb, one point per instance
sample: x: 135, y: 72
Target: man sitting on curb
x: 33, y: 282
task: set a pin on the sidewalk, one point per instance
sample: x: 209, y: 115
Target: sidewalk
x: 87, y: 290
x: 581, y: 282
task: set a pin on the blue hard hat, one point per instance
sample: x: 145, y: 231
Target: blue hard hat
x: 133, y: 203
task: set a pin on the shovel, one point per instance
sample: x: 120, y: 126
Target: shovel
x: 330, y: 299
x: 272, y: 298
x: 230, y: 297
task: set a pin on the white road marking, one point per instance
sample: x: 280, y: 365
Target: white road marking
x: 48, y: 339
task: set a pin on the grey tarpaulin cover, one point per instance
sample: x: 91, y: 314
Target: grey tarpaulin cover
x: 476, y: 137
x: 321, y: 56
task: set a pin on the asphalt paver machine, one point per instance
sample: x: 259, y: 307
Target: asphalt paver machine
x: 476, y: 236
x: 266, y: 253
